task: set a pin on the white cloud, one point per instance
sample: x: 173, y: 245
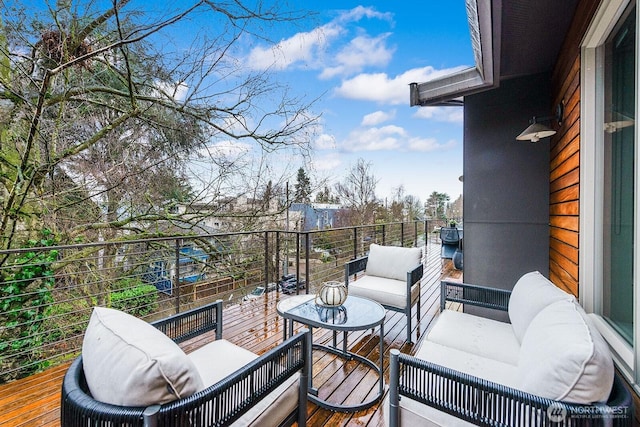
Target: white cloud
x: 361, y: 52
x: 313, y: 49
x: 441, y: 114
x: 428, y: 144
x: 326, y: 162
x: 176, y: 91
x: 359, y: 12
x: 380, y: 87
x: 300, y: 48
x: 378, y: 117
x: 375, y: 139
x: 324, y: 142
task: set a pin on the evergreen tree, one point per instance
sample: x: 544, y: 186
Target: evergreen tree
x: 302, y: 187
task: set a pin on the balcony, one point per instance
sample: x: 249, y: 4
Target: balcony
x: 159, y: 277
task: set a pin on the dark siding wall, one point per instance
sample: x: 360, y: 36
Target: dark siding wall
x: 506, y: 203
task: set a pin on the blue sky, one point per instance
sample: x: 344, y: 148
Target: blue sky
x: 361, y: 56
x: 358, y: 59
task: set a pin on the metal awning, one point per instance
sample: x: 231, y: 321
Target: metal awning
x: 509, y: 39
x: 449, y: 90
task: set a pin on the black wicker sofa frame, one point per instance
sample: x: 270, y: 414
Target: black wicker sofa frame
x: 485, y: 403
x: 218, y: 405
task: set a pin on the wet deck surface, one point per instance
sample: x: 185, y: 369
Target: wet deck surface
x: 255, y: 325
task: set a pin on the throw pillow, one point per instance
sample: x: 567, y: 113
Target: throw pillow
x: 129, y: 362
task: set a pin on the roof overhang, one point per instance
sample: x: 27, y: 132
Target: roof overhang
x: 484, y: 27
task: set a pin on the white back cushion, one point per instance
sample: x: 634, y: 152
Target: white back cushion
x: 564, y: 357
x: 531, y: 293
x: 129, y: 362
x: 392, y: 262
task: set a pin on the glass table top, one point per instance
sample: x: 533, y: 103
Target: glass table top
x: 355, y: 314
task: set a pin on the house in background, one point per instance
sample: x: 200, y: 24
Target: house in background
x: 566, y: 204
x: 312, y: 216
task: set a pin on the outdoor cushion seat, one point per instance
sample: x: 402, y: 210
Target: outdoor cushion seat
x: 469, y: 363
x: 477, y: 335
x: 387, y: 292
x: 130, y: 373
x: 550, y: 352
x: 219, y: 358
x: 391, y: 277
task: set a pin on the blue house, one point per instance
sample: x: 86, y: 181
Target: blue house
x: 315, y: 216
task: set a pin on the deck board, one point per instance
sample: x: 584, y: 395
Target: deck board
x: 255, y: 325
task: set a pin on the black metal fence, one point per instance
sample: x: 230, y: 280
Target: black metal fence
x: 47, y: 293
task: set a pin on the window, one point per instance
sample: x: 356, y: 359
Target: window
x: 609, y: 176
x: 619, y: 164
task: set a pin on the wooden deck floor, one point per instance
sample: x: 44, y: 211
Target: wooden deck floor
x: 254, y: 325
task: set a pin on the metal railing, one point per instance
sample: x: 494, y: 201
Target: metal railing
x: 47, y: 293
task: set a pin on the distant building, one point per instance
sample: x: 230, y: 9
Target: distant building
x: 314, y: 216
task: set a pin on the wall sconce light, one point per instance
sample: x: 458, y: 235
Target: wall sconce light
x: 537, y: 130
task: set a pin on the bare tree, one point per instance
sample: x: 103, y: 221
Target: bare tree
x: 413, y: 207
x: 100, y: 118
x: 357, y: 192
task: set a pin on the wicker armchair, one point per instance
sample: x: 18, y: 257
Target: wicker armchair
x: 391, y: 277
x: 220, y: 404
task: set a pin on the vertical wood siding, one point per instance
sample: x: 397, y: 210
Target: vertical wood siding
x: 564, y: 176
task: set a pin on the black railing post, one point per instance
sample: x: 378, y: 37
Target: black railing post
x: 306, y: 264
x: 176, y: 278
x: 278, y: 256
x: 426, y: 232
x: 402, y: 234
x: 384, y: 234
x: 266, y: 259
x: 415, y: 233
x: 355, y: 242
x: 298, y: 264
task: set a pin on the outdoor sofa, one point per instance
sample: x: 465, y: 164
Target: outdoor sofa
x: 132, y: 373
x: 548, y: 366
x: 391, y: 277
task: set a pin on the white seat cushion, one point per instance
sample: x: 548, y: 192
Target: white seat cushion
x: 469, y: 363
x: 392, y: 262
x: 564, y: 357
x: 386, y: 291
x: 413, y: 414
x: 217, y: 359
x: 220, y: 358
x: 531, y: 293
x: 478, y: 335
x: 128, y: 362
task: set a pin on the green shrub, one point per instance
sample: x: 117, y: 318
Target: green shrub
x: 326, y: 257
x: 68, y: 319
x: 25, y: 293
x: 126, y: 283
x: 139, y: 300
